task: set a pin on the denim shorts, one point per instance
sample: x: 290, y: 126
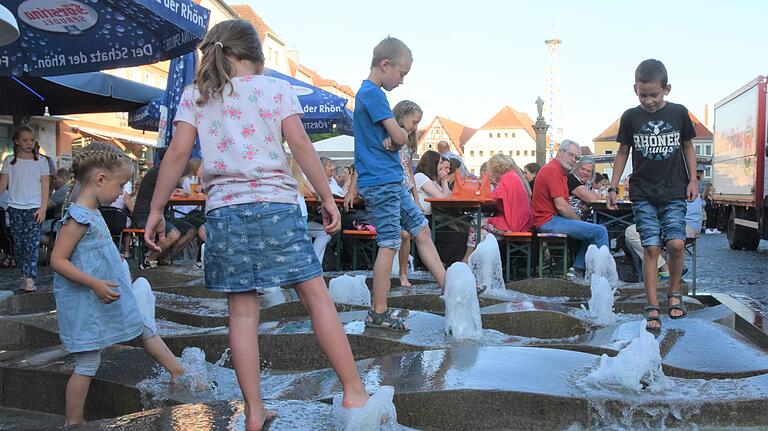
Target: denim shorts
x: 393, y: 210
x: 256, y: 246
x: 660, y: 223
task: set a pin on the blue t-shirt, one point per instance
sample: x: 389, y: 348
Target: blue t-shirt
x: 374, y: 164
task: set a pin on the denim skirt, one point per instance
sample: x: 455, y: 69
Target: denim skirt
x: 257, y: 245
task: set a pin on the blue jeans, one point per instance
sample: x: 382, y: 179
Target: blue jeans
x: 393, y: 210
x: 660, y: 223
x: 587, y: 233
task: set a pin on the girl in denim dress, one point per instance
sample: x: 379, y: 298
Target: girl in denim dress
x: 95, y: 306
x: 256, y: 235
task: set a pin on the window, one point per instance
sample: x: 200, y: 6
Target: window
x: 513, y: 134
x: 518, y: 153
x: 533, y: 153
x: 490, y: 135
x: 498, y: 135
x: 480, y: 153
x: 708, y: 172
x: 525, y: 153
x: 506, y: 135
x: 698, y: 149
x: 708, y: 150
x: 473, y: 171
x: 491, y: 153
x: 510, y: 154
x: 472, y: 153
x: 608, y: 151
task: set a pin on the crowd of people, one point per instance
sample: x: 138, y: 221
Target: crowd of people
x: 259, y: 229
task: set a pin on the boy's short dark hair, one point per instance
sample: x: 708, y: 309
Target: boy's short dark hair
x: 391, y: 49
x: 651, y: 70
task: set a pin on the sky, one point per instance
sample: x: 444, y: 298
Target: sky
x: 473, y: 57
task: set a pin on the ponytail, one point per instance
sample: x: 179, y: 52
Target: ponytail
x: 233, y: 38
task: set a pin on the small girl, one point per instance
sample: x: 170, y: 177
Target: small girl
x: 513, y: 202
x: 95, y: 306
x: 257, y: 237
x: 28, y: 176
x: 408, y: 115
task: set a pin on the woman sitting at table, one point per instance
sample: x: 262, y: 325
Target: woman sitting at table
x: 434, y: 179
x: 580, y: 182
x: 431, y: 179
x: 513, y: 202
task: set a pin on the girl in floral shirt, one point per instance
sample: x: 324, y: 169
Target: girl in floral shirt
x: 257, y: 237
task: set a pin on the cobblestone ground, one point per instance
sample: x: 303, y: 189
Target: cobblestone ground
x: 742, y: 274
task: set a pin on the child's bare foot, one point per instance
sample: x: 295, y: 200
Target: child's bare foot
x: 404, y: 282
x: 258, y: 417
x: 175, y: 374
x: 354, y: 399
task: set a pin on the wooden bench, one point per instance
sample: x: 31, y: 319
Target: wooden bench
x: 554, y: 242
x: 362, y: 240
x: 518, y: 246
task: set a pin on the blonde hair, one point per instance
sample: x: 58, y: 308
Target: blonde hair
x: 88, y: 161
x: 500, y: 164
x: 403, y: 109
x: 391, y: 49
x: 233, y: 38
x: 298, y: 175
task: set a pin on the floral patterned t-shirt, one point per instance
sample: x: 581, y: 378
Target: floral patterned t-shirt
x: 241, y: 140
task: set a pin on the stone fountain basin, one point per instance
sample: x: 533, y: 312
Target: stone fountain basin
x: 577, y: 290
x: 27, y: 303
x: 502, y: 387
x: 703, y: 345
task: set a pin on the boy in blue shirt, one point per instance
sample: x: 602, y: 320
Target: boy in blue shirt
x: 378, y: 139
x: 660, y: 135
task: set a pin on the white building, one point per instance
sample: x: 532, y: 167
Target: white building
x: 509, y: 132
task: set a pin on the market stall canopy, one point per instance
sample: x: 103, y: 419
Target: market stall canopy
x: 59, y: 37
x: 72, y: 94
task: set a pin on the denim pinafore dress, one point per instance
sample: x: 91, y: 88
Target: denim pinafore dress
x: 86, y: 323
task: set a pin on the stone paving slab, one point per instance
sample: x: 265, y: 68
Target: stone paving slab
x: 27, y: 420
x: 691, y: 347
x: 223, y: 415
x: 502, y: 387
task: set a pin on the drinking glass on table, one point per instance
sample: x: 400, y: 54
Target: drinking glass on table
x: 194, y: 184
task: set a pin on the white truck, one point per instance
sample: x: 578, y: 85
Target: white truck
x: 739, y: 158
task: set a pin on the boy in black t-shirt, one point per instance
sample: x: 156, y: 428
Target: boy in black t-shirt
x: 663, y: 177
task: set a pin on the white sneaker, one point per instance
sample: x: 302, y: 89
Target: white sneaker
x: 716, y: 231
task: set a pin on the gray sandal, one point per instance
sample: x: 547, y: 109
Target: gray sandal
x: 389, y: 319
x: 680, y: 306
x: 648, y: 318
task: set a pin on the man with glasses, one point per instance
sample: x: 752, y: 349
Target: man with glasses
x: 553, y: 214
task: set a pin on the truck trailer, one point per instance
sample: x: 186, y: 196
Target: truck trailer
x: 738, y: 165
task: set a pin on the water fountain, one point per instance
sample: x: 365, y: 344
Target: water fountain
x: 485, y: 263
x: 530, y: 358
x: 462, y: 309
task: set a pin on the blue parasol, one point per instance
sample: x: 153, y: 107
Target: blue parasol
x: 323, y: 112
x: 59, y: 37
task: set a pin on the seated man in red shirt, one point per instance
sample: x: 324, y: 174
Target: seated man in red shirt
x: 553, y: 214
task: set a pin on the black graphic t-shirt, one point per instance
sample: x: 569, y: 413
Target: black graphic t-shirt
x: 659, y: 173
